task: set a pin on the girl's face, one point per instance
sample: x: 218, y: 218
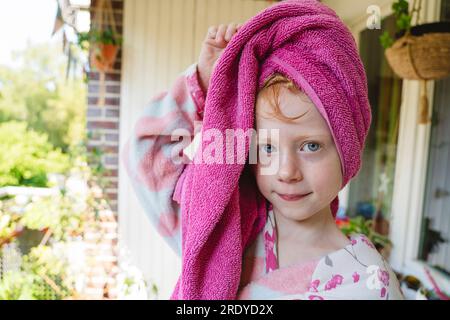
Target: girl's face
x: 304, y: 156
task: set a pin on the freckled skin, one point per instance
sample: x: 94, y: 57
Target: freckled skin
x: 299, y: 171
x: 308, y: 163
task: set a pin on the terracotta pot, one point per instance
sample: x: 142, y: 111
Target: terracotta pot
x: 103, y: 56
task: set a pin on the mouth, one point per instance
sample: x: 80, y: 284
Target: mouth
x: 293, y: 197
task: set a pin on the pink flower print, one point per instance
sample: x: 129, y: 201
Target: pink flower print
x: 334, y: 282
x: 383, y: 292
x: 355, y: 277
x: 271, y: 259
x: 313, y: 286
x: 383, y: 276
x: 354, y: 242
x: 366, y: 241
x: 315, y: 297
x: 269, y: 240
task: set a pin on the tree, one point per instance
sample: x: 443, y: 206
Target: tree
x: 38, y: 93
x: 26, y: 157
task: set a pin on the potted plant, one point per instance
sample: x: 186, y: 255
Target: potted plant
x: 361, y: 225
x: 103, y: 45
x: 419, y: 52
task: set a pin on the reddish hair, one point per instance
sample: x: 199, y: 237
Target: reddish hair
x: 271, y: 92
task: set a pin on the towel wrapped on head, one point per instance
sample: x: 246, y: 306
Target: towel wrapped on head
x: 222, y: 210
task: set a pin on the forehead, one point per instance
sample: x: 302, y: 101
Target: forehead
x: 292, y: 105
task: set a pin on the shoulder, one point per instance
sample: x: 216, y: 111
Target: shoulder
x: 357, y: 271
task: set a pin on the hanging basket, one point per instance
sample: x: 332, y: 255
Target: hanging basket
x: 103, y: 56
x: 424, y: 54
x: 104, y: 53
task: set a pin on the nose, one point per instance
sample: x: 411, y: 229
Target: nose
x: 289, y: 171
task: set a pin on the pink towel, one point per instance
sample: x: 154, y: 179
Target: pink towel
x: 221, y: 207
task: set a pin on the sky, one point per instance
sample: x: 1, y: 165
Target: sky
x: 23, y: 21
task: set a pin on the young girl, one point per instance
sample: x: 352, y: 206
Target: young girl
x: 300, y: 253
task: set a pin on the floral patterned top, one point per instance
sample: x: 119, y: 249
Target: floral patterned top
x: 356, y: 271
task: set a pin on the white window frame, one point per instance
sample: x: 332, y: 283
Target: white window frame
x: 411, y: 168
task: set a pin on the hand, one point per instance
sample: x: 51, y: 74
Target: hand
x: 213, y: 45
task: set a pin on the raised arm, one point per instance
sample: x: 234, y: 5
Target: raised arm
x: 148, y: 153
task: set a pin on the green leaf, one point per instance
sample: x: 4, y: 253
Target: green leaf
x: 26, y: 156
x: 401, y: 6
x: 404, y: 21
x: 94, y: 36
x: 386, y: 40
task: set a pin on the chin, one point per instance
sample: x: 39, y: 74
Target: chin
x: 297, y: 213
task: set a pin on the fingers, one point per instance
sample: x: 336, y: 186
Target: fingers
x: 223, y: 32
x: 212, y: 31
x: 220, y: 36
x: 231, y: 30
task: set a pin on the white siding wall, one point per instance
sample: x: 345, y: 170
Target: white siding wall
x: 161, y: 38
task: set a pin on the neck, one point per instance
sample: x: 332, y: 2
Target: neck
x: 318, y: 230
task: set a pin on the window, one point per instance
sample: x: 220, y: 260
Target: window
x: 370, y: 193
x: 435, y: 229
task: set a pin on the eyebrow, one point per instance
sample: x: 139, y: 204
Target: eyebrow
x: 318, y: 135
x: 300, y: 137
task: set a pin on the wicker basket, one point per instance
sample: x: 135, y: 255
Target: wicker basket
x: 422, y: 54
x: 425, y: 57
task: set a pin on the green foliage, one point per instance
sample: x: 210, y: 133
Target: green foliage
x: 16, y: 285
x: 403, y: 22
x: 42, y: 276
x: 59, y: 214
x: 362, y: 226
x: 42, y: 131
x: 44, y: 269
x: 93, y: 36
x: 8, y: 223
x: 79, y: 153
x: 37, y: 92
x: 401, y: 6
x: 50, y: 281
x: 386, y: 40
x: 26, y: 156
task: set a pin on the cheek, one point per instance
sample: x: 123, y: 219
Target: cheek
x: 325, y: 176
x: 263, y: 181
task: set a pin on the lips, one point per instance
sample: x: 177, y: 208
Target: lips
x: 292, y: 197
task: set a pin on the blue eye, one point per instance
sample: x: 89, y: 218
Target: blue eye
x: 267, y: 148
x: 311, y: 147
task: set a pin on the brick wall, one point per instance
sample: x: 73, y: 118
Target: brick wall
x: 103, y: 129
x: 103, y: 121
